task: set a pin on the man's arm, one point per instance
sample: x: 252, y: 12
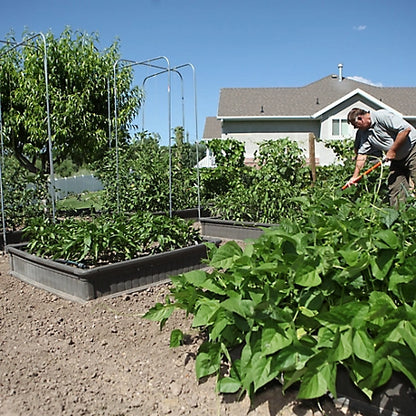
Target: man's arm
x: 359, y: 164
x: 400, y: 139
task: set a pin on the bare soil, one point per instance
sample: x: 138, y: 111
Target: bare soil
x: 58, y: 357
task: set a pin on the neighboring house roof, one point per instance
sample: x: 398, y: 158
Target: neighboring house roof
x: 212, y: 129
x: 311, y: 100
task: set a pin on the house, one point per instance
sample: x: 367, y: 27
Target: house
x: 316, y: 110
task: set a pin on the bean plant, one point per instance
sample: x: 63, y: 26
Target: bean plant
x: 333, y: 289
x: 332, y: 285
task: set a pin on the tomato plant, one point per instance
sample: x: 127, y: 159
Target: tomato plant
x: 262, y: 193
x: 143, y: 177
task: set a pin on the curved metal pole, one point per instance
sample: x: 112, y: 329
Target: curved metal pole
x: 45, y: 66
x: 52, y: 175
x: 146, y: 62
x: 3, y: 219
x: 48, y: 119
x: 183, y: 98
x: 109, y: 110
x: 196, y: 133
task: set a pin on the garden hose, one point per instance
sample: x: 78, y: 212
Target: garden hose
x: 358, y: 178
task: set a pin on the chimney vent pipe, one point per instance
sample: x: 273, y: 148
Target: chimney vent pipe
x: 340, y: 66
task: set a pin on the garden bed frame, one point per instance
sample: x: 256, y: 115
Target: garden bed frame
x: 234, y: 230
x: 396, y: 398
x: 85, y: 284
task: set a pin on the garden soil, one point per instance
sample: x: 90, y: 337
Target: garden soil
x: 59, y: 357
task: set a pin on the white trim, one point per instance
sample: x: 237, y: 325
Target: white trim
x: 351, y: 94
x: 265, y: 118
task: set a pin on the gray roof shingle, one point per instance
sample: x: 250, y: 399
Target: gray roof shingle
x: 212, y: 128
x: 307, y: 100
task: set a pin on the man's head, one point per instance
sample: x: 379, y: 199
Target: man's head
x: 359, y: 118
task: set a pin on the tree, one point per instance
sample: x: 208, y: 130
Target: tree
x: 80, y: 80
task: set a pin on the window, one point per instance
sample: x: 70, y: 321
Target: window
x: 340, y: 127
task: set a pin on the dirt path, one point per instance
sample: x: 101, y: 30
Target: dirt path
x: 101, y: 358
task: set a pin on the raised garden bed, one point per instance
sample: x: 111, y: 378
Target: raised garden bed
x: 82, y: 285
x: 396, y: 397
x: 235, y: 230
x: 12, y: 237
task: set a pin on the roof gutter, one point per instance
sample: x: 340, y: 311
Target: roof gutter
x: 263, y: 118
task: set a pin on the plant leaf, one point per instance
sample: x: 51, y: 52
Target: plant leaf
x: 176, y: 338
x: 228, y: 385
x: 208, y: 359
x: 226, y: 255
x: 275, y: 338
x: 382, y: 263
x: 205, y: 312
x: 159, y: 312
x: 363, y: 346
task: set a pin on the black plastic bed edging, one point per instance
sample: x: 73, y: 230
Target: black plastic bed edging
x: 85, y: 284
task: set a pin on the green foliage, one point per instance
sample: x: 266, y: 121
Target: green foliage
x: 185, y: 154
x: 334, y: 288
x: 343, y: 149
x: 227, y: 152
x: 143, y: 171
x: 79, y: 77
x: 25, y: 195
x: 66, y: 168
x: 229, y: 172
x: 109, y: 238
x: 263, y: 193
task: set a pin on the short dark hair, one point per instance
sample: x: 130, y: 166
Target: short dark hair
x: 354, y: 113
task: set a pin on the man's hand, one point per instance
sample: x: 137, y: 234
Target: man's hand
x: 390, y: 155
x: 352, y: 181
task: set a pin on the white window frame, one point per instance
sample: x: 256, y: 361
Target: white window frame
x: 343, y: 130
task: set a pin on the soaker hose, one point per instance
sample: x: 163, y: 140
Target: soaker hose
x: 72, y: 263
x: 358, y: 178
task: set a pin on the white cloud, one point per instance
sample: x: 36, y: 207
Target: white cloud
x: 365, y: 81
x: 360, y: 28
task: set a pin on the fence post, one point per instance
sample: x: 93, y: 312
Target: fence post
x: 312, y: 162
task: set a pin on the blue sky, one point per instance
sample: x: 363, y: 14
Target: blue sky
x: 231, y: 43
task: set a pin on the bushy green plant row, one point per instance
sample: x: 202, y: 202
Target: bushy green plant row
x: 332, y: 285
x: 335, y: 288
x: 109, y: 238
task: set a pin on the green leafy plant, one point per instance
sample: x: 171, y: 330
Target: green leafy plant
x: 260, y: 194
x: 229, y: 172
x: 334, y: 288
x: 143, y: 177
x: 79, y: 77
x: 25, y: 195
x: 109, y: 239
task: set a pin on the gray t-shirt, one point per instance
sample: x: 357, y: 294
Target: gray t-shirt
x: 382, y: 133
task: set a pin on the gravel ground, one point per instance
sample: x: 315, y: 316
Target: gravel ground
x: 101, y: 358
